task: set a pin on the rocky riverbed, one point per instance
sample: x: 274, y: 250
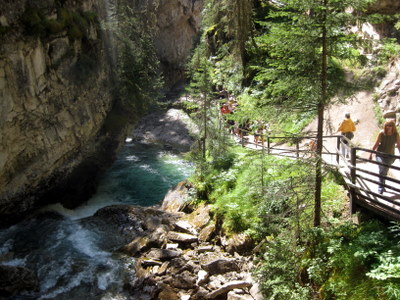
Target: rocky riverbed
x: 186, y: 257
x: 172, y: 127
x: 178, y: 252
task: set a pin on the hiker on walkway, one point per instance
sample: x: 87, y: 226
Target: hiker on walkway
x: 347, y: 129
x: 259, y: 131
x: 385, y: 142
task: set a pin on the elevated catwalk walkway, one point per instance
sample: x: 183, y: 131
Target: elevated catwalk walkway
x: 360, y: 174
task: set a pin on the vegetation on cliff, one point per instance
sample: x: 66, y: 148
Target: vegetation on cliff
x: 290, y: 62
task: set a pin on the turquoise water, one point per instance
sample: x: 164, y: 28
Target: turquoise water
x: 141, y: 175
x: 74, y: 261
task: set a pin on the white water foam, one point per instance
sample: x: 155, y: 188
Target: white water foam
x: 132, y: 158
x: 78, y: 274
x: 85, y: 210
x: 18, y: 262
x: 149, y: 169
x: 83, y: 241
x: 74, y: 282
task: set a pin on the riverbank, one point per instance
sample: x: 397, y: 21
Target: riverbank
x: 188, y: 257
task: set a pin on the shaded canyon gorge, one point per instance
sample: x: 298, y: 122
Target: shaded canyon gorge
x: 60, y: 119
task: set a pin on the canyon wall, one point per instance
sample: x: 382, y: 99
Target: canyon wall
x: 55, y: 97
x: 58, y: 128
x: 178, y: 23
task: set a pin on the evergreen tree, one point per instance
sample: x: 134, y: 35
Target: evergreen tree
x: 303, y: 39
x: 136, y: 66
x: 227, y: 27
x: 210, y: 151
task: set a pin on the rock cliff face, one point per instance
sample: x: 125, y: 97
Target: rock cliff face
x: 178, y: 23
x: 387, y: 8
x: 56, y: 101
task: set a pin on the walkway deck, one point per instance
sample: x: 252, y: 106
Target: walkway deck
x: 360, y: 174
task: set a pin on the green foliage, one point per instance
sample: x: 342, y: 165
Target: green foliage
x: 290, y: 75
x: 397, y: 25
x: 4, y: 30
x: 75, y: 23
x: 389, y: 51
x: 334, y: 196
x: 253, y: 107
x: 34, y: 22
x: 211, y: 154
x: 345, y: 262
x: 137, y: 70
x: 381, y: 18
x: 280, y: 267
x: 226, y: 28
x: 351, y: 252
x: 378, y: 113
x: 263, y: 194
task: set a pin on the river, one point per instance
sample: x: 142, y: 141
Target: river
x: 74, y: 261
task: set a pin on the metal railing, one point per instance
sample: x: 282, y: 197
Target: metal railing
x: 361, y: 179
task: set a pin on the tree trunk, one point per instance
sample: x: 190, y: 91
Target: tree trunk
x: 321, y: 107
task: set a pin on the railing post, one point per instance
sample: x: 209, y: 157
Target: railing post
x: 268, y: 145
x: 353, y: 164
x: 297, y: 147
x: 337, y: 149
x: 353, y: 179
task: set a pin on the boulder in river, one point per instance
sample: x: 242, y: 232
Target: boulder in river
x: 16, y: 280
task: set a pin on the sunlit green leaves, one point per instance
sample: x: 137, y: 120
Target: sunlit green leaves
x: 135, y: 61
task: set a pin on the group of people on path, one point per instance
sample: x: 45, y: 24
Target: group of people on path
x: 385, y: 144
x: 243, y: 128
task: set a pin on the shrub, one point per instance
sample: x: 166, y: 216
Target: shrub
x: 34, y: 22
x: 389, y: 51
x: 75, y: 23
x: 3, y: 30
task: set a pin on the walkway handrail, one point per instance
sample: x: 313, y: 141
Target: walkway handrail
x: 357, y: 177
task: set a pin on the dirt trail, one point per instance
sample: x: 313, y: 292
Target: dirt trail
x: 361, y: 112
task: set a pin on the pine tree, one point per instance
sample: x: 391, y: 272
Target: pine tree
x: 303, y: 37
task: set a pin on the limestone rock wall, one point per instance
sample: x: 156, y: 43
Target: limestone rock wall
x: 55, y: 97
x: 388, y: 92
x: 55, y: 94
x: 387, y: 8
x: 178, y: 24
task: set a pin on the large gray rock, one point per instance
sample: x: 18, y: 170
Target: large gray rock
x: 228, y: 287
x: 178, y: 22
x: 173, y: 127
x: 16, y: 280
x: 221, y: 266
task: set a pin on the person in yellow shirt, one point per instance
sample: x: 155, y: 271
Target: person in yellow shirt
x: 347, y: 129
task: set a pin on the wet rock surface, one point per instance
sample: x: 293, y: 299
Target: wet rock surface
x: 16, y: 280
x: 177, y: 252
x: 172, y: 127
x: 173, y: 262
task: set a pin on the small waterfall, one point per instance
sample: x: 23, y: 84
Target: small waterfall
x: 74, y: 259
